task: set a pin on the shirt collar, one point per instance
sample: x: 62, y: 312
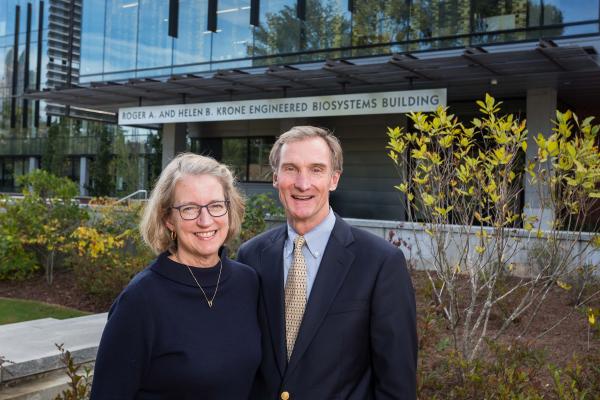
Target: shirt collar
x: 316, y: 239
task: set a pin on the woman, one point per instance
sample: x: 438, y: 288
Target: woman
x: 185, y: 327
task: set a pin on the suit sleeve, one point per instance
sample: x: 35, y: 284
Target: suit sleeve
x: 258, y: 391
x: 241, y: 255
x: 394, y: 332
x: 124, y: 351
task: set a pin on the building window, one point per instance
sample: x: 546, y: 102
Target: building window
x: 120, y: 32
x: 193, y: 44
x: 248, y: 157
x: 92, y: 37
x: 154, y: 45
x: 259, y: 169
x: 499, y: 16
x: 553, y: 13
x: 278, y: 30
x: 233, y: 37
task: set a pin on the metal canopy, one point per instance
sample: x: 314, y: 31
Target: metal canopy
x: 573, y: 70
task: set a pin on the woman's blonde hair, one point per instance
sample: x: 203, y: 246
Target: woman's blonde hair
x: 153, y: 227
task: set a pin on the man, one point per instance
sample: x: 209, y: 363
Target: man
x: 337, y: 307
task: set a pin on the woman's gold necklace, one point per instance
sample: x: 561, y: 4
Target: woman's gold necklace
x: 210, y: 302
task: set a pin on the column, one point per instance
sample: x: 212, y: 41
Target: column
x: 173, y: 141
x: 33, y: 164
x: 84, y: 177
x: 541, y: 110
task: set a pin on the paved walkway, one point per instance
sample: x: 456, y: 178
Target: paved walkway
x: 30, y: 346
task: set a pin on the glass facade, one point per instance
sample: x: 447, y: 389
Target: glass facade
x: 129, y: 38
x: 13, y: 120
x: 193, y: 44
x: 247, y: 156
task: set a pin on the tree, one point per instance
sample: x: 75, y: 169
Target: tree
x: 54, y: 155
x: 462, y: 186
x: 46, y: 216
x: 102, y: 182
x: 126, y: 167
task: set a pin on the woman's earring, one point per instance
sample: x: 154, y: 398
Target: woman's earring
x: 173, y: 235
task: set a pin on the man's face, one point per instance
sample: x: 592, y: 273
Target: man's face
x: 304, y: 178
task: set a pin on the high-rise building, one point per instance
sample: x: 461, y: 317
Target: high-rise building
x: 226, y: 77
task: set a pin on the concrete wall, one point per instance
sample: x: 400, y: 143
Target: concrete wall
x: 521, y: 247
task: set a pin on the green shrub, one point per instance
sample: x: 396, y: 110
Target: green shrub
x: 35, y: 229
x: 506, y: 372
x: 79, y: 384
x: 16, y: 263
x: 579, y: 380
x: 108, y: 251
x: 258, y: 207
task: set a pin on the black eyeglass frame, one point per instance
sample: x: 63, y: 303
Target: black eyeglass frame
x: 200, y: 207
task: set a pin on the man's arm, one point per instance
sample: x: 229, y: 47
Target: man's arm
x: 394, y: 332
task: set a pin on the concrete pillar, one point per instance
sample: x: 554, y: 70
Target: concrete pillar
x: 173, y: 141
x: 33, y: 164
x: 541, y: 110
x: 84, y: 177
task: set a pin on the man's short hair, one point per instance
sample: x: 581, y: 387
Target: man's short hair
x: 299, y: 133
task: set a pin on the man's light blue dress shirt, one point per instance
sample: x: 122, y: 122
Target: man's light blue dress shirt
x: 313, y: 249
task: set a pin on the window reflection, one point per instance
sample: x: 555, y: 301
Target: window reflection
x: 380, y: 22
x: 154, y: 43
x: 234, y: 34
x: 279, y: 29
x: 248, y: 157
x: 3, y: 20
x: 3, y: 67
x: 497, y: 16
x: 563, y: 11
x: 92, y: 36
x: 193, y: 42
x: 259, y: 169
x: 440, y: 18
x: 327, y: 26
x: 121, y: 35
x: 234, y: 155
x: 543, y: 13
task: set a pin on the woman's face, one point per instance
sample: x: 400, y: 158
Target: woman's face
x: 199, y: 239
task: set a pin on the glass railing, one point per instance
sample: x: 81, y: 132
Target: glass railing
x: 454, y: 41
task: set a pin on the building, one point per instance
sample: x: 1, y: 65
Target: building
x: 226, y: 77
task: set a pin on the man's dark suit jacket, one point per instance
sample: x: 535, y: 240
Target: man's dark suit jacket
x: 358, y: 337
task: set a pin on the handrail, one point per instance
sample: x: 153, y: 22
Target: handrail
x: 144, y: 191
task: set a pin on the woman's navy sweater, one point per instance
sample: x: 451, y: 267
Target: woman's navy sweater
x: 162, y: 341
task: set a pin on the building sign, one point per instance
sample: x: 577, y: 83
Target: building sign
x: 317, y: 106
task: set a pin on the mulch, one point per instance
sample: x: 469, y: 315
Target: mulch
x: 570, y: 337
x: 63, y: 291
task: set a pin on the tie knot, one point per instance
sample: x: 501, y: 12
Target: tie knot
x: 299, y: 242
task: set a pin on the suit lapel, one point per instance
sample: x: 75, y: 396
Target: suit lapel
x: 271, y: 262
x: 334, y: 266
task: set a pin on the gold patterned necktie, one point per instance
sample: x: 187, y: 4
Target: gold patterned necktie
x: 295, y: 295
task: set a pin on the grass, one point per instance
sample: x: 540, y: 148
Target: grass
x: 12, y: 310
